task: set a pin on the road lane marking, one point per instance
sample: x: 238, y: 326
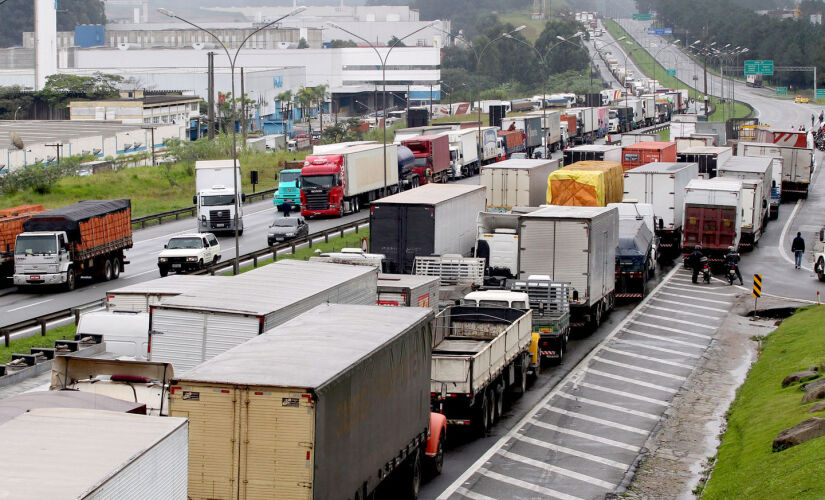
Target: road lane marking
x: 645, y: 345
x: 705, y: 315
x: 665, y: 339
x: 597, y: 420
x: 684, y: 322
x: 713, y: 301
x: 630, y: 395
x: 609, y: 406
x: 473, y: 495
x: 781, y: 245
x: 647, y: 358
x: 675, y: 330
x: 30, y: 305
x: 677, y: 303
x: 639, y: 368
x: 585, y: 435
x: 571, y: 451
x: 694, y: 289
x: 527, y: 486
x: 557, y: 470
x: 632, y: 381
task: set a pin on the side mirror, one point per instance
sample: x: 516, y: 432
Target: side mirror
x: 165, y: 246
x: 243, y: 198
x: 195, y: 200
x: 340, y: 182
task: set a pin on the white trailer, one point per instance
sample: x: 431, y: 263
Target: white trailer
x: 638, y: 110
x: 797, y: 165
x: 140, y: 297
x: 191, y: 328
x: 488, y: 139
x: 754, y: 167
x: 592, y: 152
x: 712, y: 216
x: 95, y: 455
x: 663, y: 186
x: 649, y: 110
x: 464, y: 151
x: 498, y: 244
x: 576, y: 245
x: 406, y: 290
x: 513, y: 183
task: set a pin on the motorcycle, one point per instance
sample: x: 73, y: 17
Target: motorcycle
x: 731, y: 273
x: 819, y: 141
x: 705, y: 265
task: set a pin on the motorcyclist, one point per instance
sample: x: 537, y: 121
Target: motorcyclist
x: 695, y: 262
x: 732, y: 259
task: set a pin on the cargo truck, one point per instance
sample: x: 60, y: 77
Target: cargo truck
x: 630, y: 138
x: 708, y: 159
x: 786, y: 138
x: 513, y: 183
x: 432, y: 220
x: 11, y: 224
x: 712, y: 217
x: 550, y: 303
x: 797, y: 166
x: 592, y: 152
x: 633, y: 210
x: 509, y: 142
x: 572, y: 124
x: 87, y: 238
x: 463, y: 152
x: 642, y: 153
x: 139, y: 297
x: 634, y: 258
x: 621, y: 119
x: 477, y: 355
x: 404, y: 134
x: 586, y: 183
x: 432, y: 158
x: 215, y: 196
x: 663, y: 186
x: 194, y: 327
x: 760, y: 168
x: 329, y: 405
x: 575, y: 245
x: 638, y: 112
x: 289, y: 189
x: 530, y: 125
x: 405, y: 290
x: 119, y: 455
x: 406, y: 168
x: 649, y: 110
x: 344, y: 181
x: 551, y: 126
x: 498, y: 245
x: 488, y: 140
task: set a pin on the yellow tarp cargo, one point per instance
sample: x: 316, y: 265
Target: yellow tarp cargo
x: 586, y: 184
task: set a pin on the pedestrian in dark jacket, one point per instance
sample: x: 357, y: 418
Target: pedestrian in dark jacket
x: 695, y: 262
x: 285, y: 208
x: 798, y: 249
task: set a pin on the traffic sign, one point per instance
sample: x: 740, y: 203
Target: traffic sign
x: 757, y: 286
x: 820, y: 93
x: 670, y: 72
x: 642, y: 17
x: 364, y: 245
x: 781, y: 90
x: 660, y: 31
x: 756, y: 67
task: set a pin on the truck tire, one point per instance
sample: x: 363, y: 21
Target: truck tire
x: 107, y: 270
x: 71, y: 280
x: 163, y: 272
x: 240, y: 232
x: 557, y: 361
x: 411, y: 476
x: 820, y: 265
x: 115, y: 268
x: 481, y: 421
x: 491, y: 397
x: 521, y: 377
x: 200, y: 264
x: 436, y: 463
x: 498, y: 409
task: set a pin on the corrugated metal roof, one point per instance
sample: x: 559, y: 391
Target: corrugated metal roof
x: 524, y: 164
x: 747, y: 164
x: 310, y: 350
x: 715, y: 184
x: 567, y: 212
x: 172, y: 285
x: 430, y: 194
x: 654, y: 145
x: 706, y: 150
x: 594, y: 147
x: 43, y: 131
x: 409, y: 280
x: 18, y: 404
x: 656, y: 167
x: 269, y: 288
x: 64, y: 452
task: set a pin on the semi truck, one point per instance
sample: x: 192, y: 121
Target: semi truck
x: 634, y: 258
x: 708, y: 159
x: 329, y: 405
x: 432, y: 158
x: 586, y: 183
x: 759, y: 169
x: 343, y: 181
x: 592, y: 152
x: 194, y: 327
x: 643, y: 153
x: 575, y: 245
x: 59, y: 246
x: 215, y: 196
x: 406, y: 168
x: 712, y: 217
x: 498, y: 245
x: 797, y: 165
x: 431, y: 220
x: 530, y: 126
x: 11, y: 224
x: 289, y: 189
x: 663, y: 186
x: 463, y: 152
x: 488, y: 140
x: 512, y: 183
x: 787, y: 138
x: 621, y: 119
x: 551, y: 125
x: 477, y: 355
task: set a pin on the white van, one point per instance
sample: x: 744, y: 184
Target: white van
x: 125, y: 333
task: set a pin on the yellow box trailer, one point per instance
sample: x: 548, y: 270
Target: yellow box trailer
x: 324, y: 406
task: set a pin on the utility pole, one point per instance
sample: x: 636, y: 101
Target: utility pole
x: 243, y: 106
x: 211, y: 98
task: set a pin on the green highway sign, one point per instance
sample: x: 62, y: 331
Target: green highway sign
x: 642, y: 17
x: 670, y: 72
x: 781, y: 90
x: 820, y: 93
x: 755, y: 67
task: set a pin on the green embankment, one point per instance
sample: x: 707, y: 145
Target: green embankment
x: 746, y: 467
x: 22, y: 346
x: 645, y: 62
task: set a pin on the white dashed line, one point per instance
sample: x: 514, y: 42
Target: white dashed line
x: 645, y: 345
x: 676, y: 311
x: 571, y: 451
x: 527, y: 486
x: 597, y: 420
x: 585, y: 435
x: 665, y: 339
x: 624, y: 394
x: 684, y: 322
x: 609, y: 406
x: 557, y: 470
x: 674, y: 330
x: 632, y: 381
x: 705, y: 308
x: 639, y: 368
x: 647, y: 358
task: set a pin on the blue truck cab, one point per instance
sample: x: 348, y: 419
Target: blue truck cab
x: 289, y: 189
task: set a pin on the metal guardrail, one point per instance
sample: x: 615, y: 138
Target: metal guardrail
x: 42, y: 321
x: 191, y: 211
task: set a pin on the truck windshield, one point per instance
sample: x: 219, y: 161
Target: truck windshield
x: 40, y: 245
x: 421, y: 162
x: 289, y: 176
x: 612, y: 114
x: 184, y: 243
x: 217, y: 200
x: 318, y: 181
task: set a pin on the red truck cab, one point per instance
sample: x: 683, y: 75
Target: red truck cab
x: 432, y: 157
x: 322, y: 185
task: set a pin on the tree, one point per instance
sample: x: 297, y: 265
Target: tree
x: 395, y: 42
x: 303, y: 44
x: 95, y: 86
x: 339, y: 44
x: 18, y: 16
x: 284, y: 100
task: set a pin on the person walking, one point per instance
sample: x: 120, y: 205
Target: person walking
x: 695, y: 262
x: 286, y: 207
x: 798, y: 249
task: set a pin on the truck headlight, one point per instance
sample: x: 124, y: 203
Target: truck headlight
x: 191, y: 259
x: 162, y: 259
x: 203, y: 218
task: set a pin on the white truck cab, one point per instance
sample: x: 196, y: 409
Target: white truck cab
x: 497, y: 298
x: 41, y: 257
x: 189, y: 252
x: 215, y: 196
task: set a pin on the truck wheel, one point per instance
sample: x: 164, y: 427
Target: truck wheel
x: 499, y: 406
x: 163, y: 272
x: 107, y: 270
x: 521, y: 388
x: 115, y: 268
x: 200, y: 264
x: 491, y: 407
x: 240, y: 232
x: 482, y: 416
x: 411, y: 482
x: 357, y: 205
x: 820, y: 265
x: 215, y: 260
x: 71, y: 280
x: 436, y: 463
x: 557, y: 361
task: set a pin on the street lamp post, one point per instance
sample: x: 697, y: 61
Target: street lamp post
x: 383, y: 80
x: 16, y: 110
x: 597, y: 51
x: 232, y: 61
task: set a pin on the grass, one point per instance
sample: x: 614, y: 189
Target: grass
x: 647, y: 64
x: 335, y: 244
x: 22, y: 346
x: 148, y: 187
x: 745, y: 466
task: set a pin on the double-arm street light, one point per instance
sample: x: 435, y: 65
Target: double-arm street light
x: 383, y: 60
x: 655, y: 59
x: 232, y: 61
x: 543, y: 60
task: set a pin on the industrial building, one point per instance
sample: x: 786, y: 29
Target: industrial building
x: 135, y: 107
